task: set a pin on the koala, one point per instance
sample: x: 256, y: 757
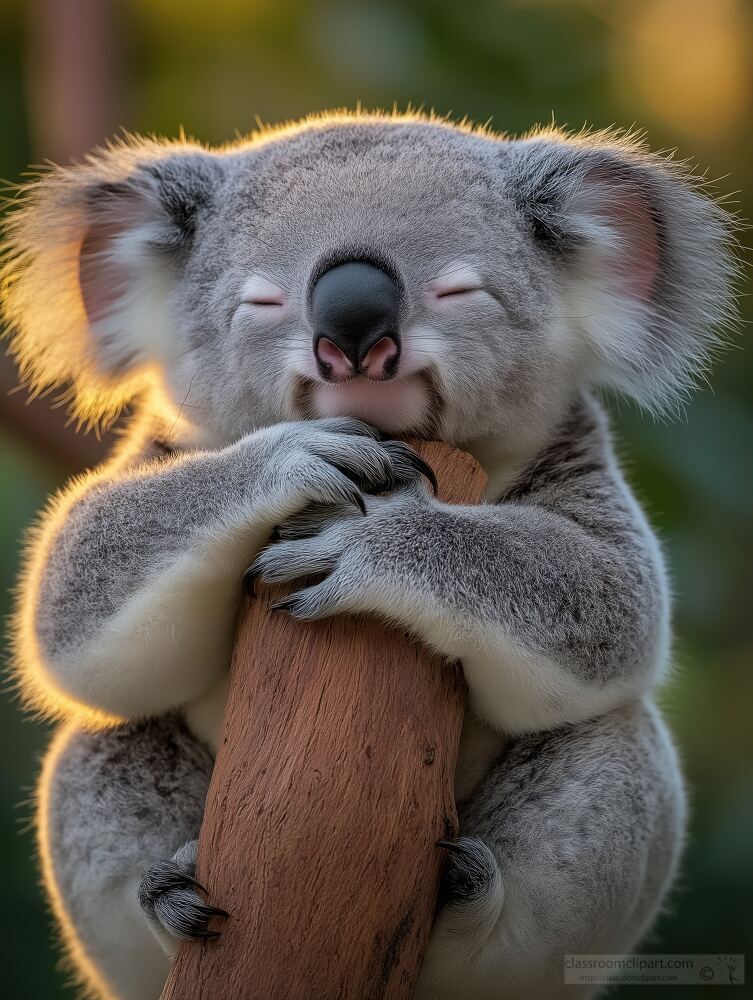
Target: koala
x: 276, y: 315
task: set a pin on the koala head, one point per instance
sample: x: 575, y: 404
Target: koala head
x: 426, y: 277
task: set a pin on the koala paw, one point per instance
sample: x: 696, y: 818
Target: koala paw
x: 168, y: 896
x: 354, y: 554
x: 471, y: 875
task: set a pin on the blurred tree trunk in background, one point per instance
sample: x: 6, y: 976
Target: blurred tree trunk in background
x: 73, y: 74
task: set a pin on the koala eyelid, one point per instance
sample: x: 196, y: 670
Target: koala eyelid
x: 259, y: 291
x: 455, y: 282
x: 451, y: 292
x: 263, y: 301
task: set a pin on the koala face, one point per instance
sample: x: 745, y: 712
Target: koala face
x: 424, y: 277
x: 469, y: 310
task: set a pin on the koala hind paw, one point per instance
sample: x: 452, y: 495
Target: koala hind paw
x: 169, y: 896
x: 471, y: 874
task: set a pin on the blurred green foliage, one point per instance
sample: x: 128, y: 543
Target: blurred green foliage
x: 681, y: 69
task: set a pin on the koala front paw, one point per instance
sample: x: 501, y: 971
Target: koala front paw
x: 330, y: 461
x: 471, y: 876
x: 333, y: 540
x: 168, y: 896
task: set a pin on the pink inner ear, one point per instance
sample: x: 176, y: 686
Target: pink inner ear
x: 101, y: 284
x: 639, y: 256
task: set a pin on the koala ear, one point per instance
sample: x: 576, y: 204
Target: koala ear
x: 647, y: 258
x: 89, y: 258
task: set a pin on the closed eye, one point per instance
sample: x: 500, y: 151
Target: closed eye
x: 456, y: 292
x: 262, y: 293
x: 264, y: 302
x: 457, y: 282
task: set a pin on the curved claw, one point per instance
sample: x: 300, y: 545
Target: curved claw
x: 358, y: 500
x: 285, y: 605
x: 450, y: 845
x: 368, y: 484
x: 248, y: 582
x: 471, y: 873
x: 171, y: 877
x: 169, y: 896
x: 351, y: 496
x: 197, y: 885
x: 402, y: 452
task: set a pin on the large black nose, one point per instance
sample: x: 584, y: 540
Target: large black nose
x: 354, y: 308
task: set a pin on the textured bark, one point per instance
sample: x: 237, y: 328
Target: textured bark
x: 333, y: 782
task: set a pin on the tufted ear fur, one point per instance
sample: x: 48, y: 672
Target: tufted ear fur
x: 89, y: 257
x: 647, y: 258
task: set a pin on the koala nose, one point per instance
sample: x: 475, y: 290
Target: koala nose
x: 354, y: 308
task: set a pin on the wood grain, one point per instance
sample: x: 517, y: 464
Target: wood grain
x: 333, y: 782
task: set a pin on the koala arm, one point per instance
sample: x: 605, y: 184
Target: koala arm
x: 553, y: 599
x: 128, y: 607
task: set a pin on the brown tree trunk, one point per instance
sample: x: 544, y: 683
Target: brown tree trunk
x: 333, y: 782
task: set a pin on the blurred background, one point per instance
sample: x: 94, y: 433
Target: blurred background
x: 75, y: 71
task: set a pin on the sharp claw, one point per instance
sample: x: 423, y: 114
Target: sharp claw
x: 359, y: 502
x: 197, y: 885
x: 284, y: 605
x: 429, y: 473
x: 179, y: 880
x: 248, y: 581
x: 213, y: 911
x: 206, y: 935
x: 414, y: 459
x: 424, y: 468
x: 169, y: 879
x: 450, y: 845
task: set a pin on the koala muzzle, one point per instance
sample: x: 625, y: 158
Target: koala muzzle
x: 355, y: 313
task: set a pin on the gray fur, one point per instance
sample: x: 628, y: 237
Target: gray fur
x: 577, y: 262
x: 220, y: 506
x: 572, y: 570
x: 170, y: 897
x: 119, y: 801
x: 584, y: 826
